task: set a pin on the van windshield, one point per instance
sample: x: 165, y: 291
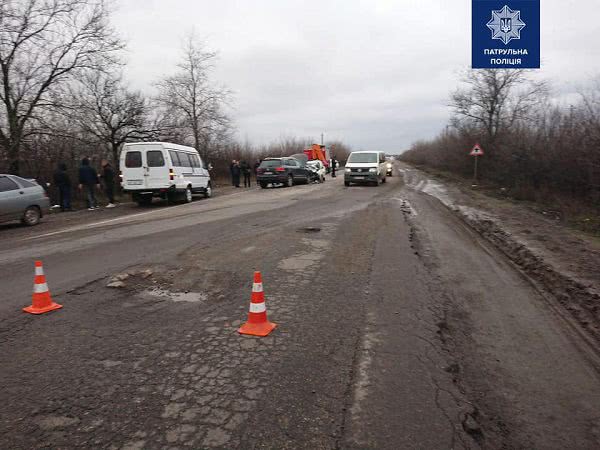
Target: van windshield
x: 363, y: 158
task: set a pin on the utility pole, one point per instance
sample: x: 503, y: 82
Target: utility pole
x: 322, y: 138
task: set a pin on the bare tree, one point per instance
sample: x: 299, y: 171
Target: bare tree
x: 495, y: 99
x: 108, y: 111
x: 589, y: 117
x: 42, y: 44
x: 190, y: 98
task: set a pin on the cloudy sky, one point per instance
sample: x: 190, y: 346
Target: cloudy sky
x: 373, y: 73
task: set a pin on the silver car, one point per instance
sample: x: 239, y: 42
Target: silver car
x: 21, y: 199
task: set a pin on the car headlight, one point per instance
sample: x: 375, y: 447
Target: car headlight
x: 348, y: 170
x: 373, y: 170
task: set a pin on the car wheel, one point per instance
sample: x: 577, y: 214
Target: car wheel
x: 346, y: 183
x: 31, y: 216
x: 187, y: 195
x: 263, y: 185
x: 290, y: 181
x: 208, y: 191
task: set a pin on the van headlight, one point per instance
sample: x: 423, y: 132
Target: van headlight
x: 373, y: 169
x: 348, y: 170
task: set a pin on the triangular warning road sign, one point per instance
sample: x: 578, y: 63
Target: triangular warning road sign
x: 477, y: 150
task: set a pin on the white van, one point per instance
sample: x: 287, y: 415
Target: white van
x: 365, y: 167
x: 160, y: 169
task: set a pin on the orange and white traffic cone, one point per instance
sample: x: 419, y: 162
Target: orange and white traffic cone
x: 41, y: 302
x: 257, y: 324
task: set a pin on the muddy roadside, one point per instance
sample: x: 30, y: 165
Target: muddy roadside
x: 563, y: 263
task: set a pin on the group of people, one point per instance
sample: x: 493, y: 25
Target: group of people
x: 89, y: 181
x: 242, y: 169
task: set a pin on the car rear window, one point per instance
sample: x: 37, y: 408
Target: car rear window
x: 270, y: 163
x: 25, y: 183
x: 133, y: 159
x: 363, y: 158
x: 155, y: 158
x: 6, y: 184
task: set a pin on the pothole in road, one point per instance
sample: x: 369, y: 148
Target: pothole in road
x: 309, y: 230
x: 189, y: 297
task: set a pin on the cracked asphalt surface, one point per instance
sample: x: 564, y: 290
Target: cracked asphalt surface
x: 398, y: 327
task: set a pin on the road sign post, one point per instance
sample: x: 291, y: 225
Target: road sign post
x: 476, y: 152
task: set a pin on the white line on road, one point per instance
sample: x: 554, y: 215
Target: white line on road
x: 104, y: 222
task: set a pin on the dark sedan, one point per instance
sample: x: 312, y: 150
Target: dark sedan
x: 286, y: 171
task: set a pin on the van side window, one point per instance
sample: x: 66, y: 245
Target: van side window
x: 174, y: 158
x: 133, y: 159
x: 184, y: 159
x: 155, y: 158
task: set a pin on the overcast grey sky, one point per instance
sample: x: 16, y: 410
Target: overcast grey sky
x: 373, y: 73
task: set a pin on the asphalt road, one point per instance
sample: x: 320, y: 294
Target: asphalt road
x: 398, y: 327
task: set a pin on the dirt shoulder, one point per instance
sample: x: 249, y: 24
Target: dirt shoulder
x: 562, y: 261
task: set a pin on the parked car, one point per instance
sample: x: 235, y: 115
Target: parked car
x: 318, y: 170
x: 365, y: 167
x: 160, y: 169
x: 286, y: 171
x: 22, y: 199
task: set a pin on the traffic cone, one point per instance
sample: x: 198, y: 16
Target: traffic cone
x: 41, y: 302
x: 257, y: 324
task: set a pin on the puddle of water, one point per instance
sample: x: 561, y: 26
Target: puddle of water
x: 191, y: 297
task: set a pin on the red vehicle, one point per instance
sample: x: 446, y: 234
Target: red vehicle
x: 318, y: 152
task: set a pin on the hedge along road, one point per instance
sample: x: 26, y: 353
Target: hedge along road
x: 414, y: 334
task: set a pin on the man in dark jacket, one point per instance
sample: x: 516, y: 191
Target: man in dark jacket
x: 256, y: 166
x: 88, y: 180
x: 63, y: 184
x: 108, y: 176
x: 235, y: 173
x: 245, y: 168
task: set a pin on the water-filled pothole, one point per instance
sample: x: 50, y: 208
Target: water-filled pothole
x: 191, y: 297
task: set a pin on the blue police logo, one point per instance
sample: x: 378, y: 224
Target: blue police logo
x: 506, y: 25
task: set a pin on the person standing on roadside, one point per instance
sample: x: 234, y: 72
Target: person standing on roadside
x: 88, y: 180
x: 63, y: 183
x: 333, y: 166
x: 245, y: 168
x: 256, y: 166
x: 235, y: 173
x: 108, y: 176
